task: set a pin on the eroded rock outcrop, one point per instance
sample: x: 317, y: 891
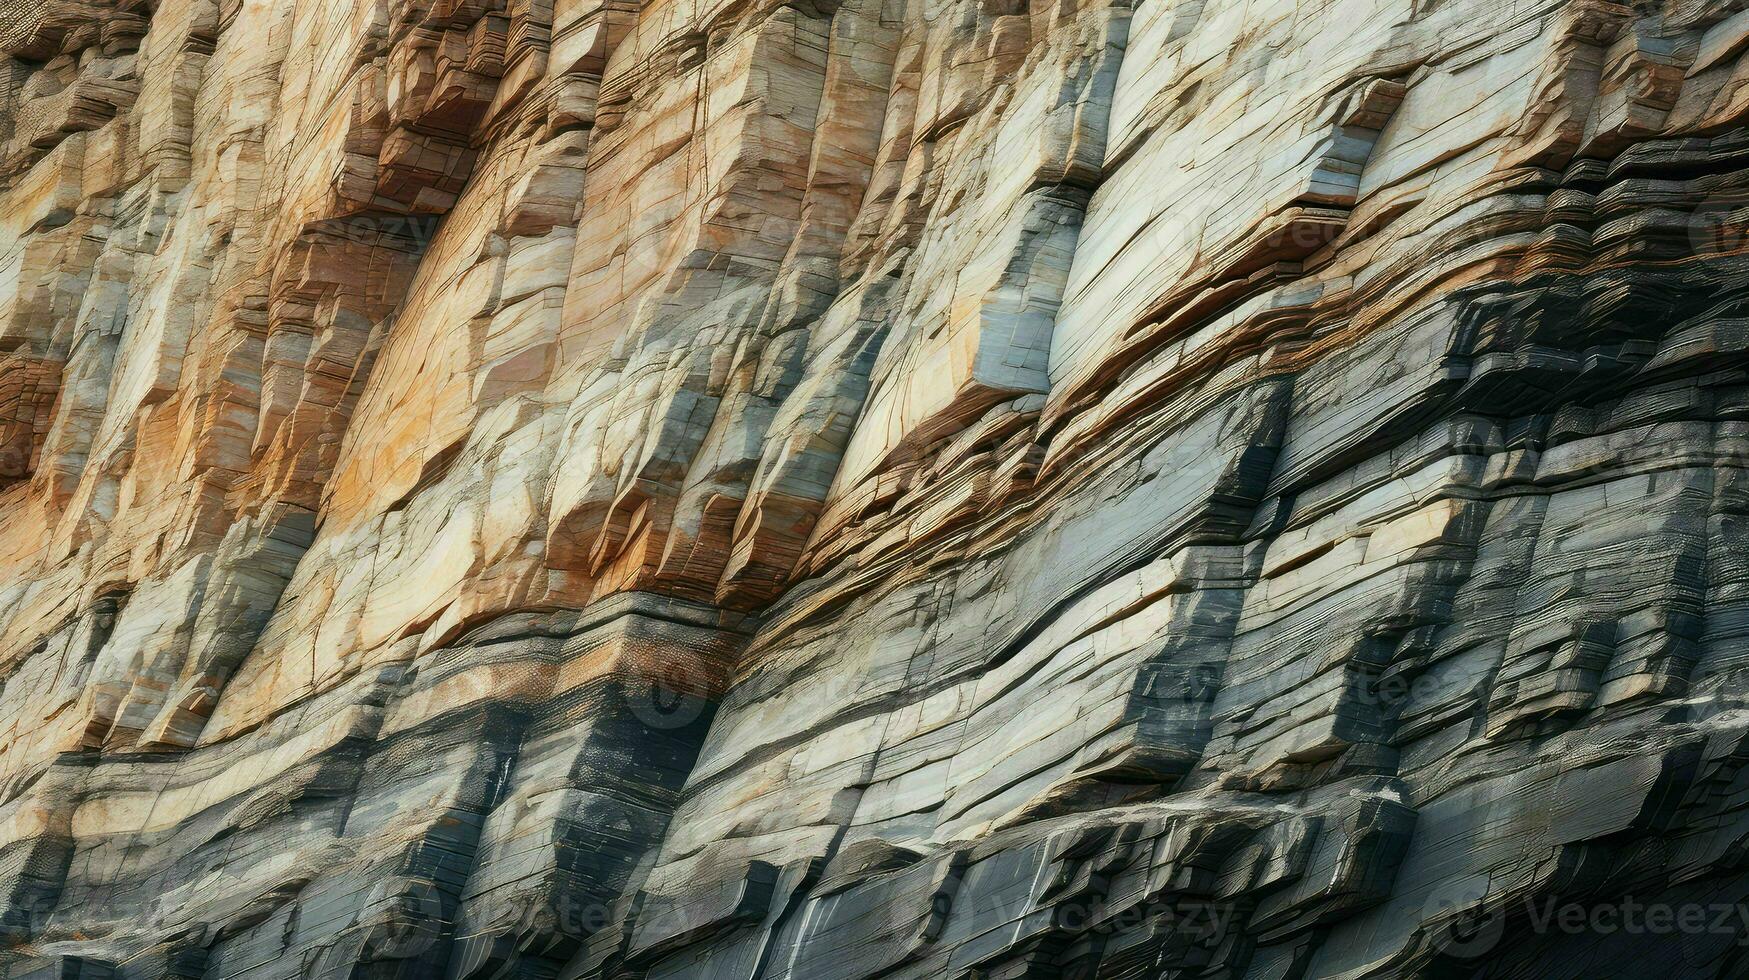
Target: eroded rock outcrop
x: 901, y: 488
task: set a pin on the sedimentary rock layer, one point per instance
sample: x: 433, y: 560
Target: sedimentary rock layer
x: 874, y: 488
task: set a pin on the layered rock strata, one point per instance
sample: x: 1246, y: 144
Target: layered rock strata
x: 874, y: 488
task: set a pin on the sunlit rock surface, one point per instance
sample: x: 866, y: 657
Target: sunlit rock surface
x: 742, y: 489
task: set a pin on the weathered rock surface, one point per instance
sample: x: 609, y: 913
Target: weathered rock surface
x: 903, y: 488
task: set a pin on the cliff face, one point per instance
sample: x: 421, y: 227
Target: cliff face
x: 847, y: 488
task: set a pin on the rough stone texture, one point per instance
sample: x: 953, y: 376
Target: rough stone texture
x: 876, y: 488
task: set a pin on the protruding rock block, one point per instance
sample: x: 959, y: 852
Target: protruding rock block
x: 29, y: 388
